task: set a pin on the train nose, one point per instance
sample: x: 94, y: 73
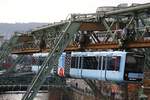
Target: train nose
x: 61, y: 72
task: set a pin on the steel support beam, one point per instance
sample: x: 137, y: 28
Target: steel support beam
x: 108, y: 28
x: 129, y: 10
x: 53, y: 57
x: 96, y: 46
x: 112, y: 45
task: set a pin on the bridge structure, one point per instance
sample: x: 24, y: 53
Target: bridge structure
x: 116, y: 28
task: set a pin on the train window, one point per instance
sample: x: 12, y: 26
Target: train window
x: 134, y: 63
x: 41, y: 60
x: 38, y: 60
x: 90, y: 63
x: 74, y: 62
x: 111, y: 63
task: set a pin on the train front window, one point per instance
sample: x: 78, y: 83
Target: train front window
x: 134, y: 66
x: 134, y: 63
x: 90, y: 63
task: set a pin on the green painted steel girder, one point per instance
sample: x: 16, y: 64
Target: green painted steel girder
x: 6, y: 48
x: 62, y: 41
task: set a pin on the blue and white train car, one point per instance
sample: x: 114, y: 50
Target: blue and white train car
x: 98, y: 65
x: 114, y: 66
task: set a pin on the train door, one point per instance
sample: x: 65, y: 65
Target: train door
x: 111, y: 68
x: 80, y: 66
x: 103, y: 70
x: 90, y: 67
x: 100, y: 67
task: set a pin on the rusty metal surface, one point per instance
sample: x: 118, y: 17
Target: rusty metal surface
x: 97, y: 46
x: 25, y: 38
x: 95, y: 26
x: 112, y: 45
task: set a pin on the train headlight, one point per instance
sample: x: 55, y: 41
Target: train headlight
x: 61, y: 72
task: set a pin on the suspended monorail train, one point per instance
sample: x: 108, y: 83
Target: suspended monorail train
x: 117, y: 66
x: 112, y: 66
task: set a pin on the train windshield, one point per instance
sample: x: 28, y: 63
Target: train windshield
x: 134, y: 66
x: 134, y: 63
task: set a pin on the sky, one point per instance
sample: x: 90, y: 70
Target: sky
x: 24, y: 11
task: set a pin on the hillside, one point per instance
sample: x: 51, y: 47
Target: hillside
x: 7, y: 28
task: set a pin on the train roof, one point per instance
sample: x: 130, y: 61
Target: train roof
x: 103, y: 53
x: 97, y: 53
x: 40, y: 54
x: 43, y: 54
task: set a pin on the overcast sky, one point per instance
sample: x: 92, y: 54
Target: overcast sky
x: 12, y: 11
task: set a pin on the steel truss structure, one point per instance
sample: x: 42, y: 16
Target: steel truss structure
x: 95, y: 31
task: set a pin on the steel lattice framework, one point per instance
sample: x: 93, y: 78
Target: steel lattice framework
x: 94, y: 31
